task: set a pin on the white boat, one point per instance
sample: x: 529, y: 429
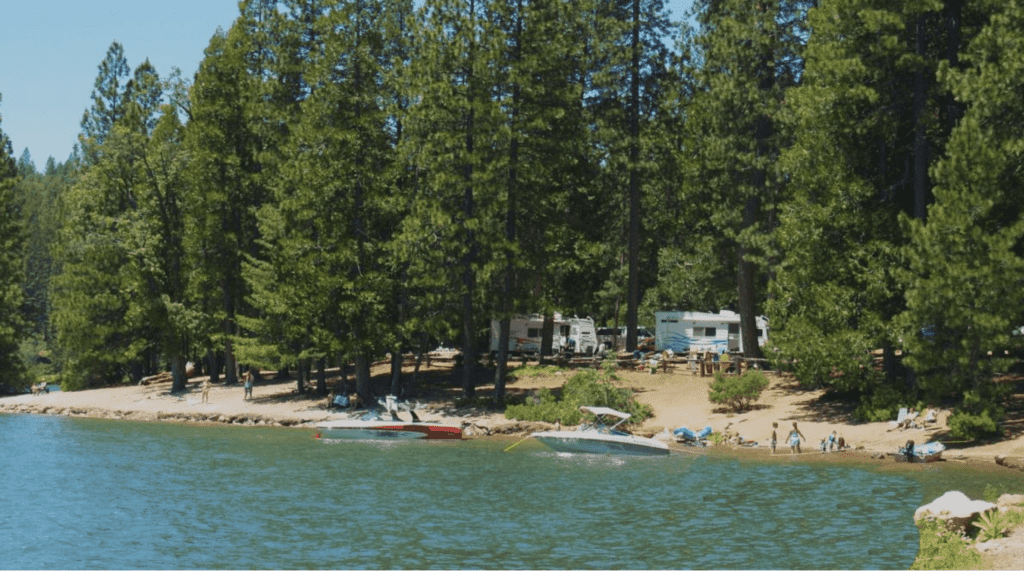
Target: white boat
x: 385, y: 424
x: 924, y: 453
x: 599, y: 437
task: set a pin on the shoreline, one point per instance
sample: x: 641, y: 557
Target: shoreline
x: 679, y: 398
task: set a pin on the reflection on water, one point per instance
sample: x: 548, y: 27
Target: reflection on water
x: 94, y: 494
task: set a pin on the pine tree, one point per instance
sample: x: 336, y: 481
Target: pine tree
x: 232, y: 144
x: 12, y: 324
x: 853, y: 169
x: 630, y: 60
x: 109, y: 97
x: 450, y: 232
x: 966, y: 260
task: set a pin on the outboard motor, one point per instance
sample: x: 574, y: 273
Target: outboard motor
x: 908, y: 450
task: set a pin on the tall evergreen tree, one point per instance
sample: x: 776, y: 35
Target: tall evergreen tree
x: 749, y: 54
x: 451, y: 126
x: 231, y: 139
x: 12, y: 324
x: 967, y: 259
x: 630, y: 59
x: 853, y: 169
x: 108, y: 97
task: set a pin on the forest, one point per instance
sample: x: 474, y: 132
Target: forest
x: 341, y: 180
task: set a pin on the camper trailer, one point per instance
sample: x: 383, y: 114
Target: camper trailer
x: 525, y: 334
x: 583, y: 335
x: 681, y: 331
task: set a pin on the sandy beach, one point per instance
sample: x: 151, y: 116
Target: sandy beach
x: 679, y: 398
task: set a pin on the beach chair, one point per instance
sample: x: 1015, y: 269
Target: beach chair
x: 899, y: 418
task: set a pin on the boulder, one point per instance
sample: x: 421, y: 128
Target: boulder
x: 955, y: 508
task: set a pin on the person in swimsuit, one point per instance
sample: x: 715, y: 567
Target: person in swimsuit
x: 775, y: 439
x: 248, y: 384
x: 794, y: 439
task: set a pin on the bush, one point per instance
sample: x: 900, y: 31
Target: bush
x: 737, y: 392
x: 585, y: 387
x: 963, y: 425
x: 883, y: 405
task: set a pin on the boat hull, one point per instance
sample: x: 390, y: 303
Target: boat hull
x: 601, y: 443
x: 377, y: 430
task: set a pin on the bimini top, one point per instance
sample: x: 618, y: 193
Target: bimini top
x: 601, y: 411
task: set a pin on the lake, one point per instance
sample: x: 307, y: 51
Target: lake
x: 101, y: 494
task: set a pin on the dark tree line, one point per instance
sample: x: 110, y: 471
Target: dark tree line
x: 342, y: 180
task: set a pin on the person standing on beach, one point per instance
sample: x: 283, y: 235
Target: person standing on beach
x: 206, y: 391
x: 794, y: 439
x: 775, y: 438
x: 248, y: 384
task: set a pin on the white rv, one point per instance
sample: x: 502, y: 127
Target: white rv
x: 525, y: 334
x: 582, y: 333
x: 681, y: 331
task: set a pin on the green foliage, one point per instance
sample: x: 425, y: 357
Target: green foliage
x: 943, y: 549
x: 970, y: 426
x: 585, y: 387
x: 881, y: 404
x: 738, y: 393
x: 992, y: 525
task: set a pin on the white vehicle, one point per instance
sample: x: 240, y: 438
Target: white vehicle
x: 681, y: 331
x: 525, y: 334
x: 582, y: 334
x: 600, y: 437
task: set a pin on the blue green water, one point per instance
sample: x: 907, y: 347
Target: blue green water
x: 97, y: 494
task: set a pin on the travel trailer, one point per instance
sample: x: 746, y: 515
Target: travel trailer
x: 681, y: 331
x: 525, y: 334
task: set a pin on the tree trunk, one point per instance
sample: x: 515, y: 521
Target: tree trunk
x: 547, y: 336
x: 363, y: 384
x: 396, y: 373
x: 300, y: 381
x: 321, y: 376
x: 633, y: 295
x: 178, y: 379
x: 501, y: 372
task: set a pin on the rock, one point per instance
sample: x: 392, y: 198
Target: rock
x: 1010, y: 500
x: 955, y: 508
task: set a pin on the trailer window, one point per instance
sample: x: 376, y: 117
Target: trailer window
x: 533, y: 332
x: 734, y: 328
x: 760, y: 333
x: 565, y: 330
x: 710, y: 332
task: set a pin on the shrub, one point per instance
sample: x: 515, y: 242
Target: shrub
x: 992, y: 525
x: 882, y: 405
x: 737, y: 392
x: 585, y: 387
x: 969, y: 426
x: 943, y: 549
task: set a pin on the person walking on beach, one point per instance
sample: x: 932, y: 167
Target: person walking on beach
x: 794, y: 439
x: 248, y: 384
x: 775, y: 438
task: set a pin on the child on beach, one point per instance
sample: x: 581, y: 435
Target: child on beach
x: 794, y: 439
x: 832, y: 441
x: 774, y: 439
x: 206, y: 391
x: 248, y: 384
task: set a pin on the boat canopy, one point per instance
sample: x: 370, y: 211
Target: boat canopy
x: 605, y: 411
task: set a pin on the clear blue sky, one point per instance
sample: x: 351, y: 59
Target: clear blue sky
x: 50, y: 50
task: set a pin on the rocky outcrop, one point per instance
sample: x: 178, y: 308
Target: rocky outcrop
x: 1005, y: 461
x: 955, y: 509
